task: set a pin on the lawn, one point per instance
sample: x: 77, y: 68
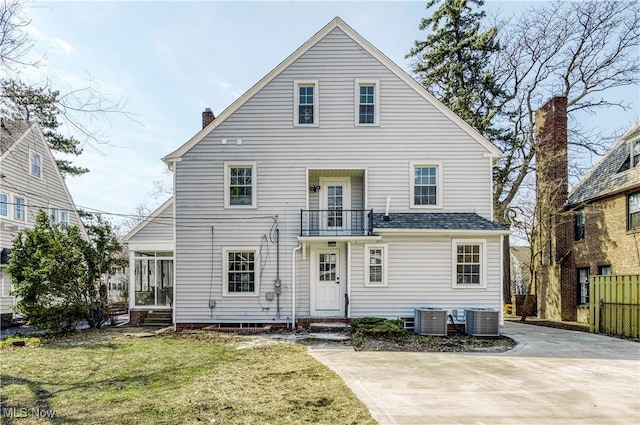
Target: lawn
x: 106, y: 377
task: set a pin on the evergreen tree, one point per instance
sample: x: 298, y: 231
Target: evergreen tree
x: 453, y: 63
x: 19, y: 101
x: 58, y: 275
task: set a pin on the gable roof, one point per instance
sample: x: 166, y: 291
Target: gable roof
x: 368, y: 47
x: 12, y: 133
x: 147, y: 220
x: 608, y: 177
x: 436, y: 221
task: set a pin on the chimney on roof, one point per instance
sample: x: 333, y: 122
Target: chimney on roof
x: 207, y: 117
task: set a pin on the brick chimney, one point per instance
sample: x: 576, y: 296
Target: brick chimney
x: 551, y: 152
x: 551, y: 238
x: 207, y: 117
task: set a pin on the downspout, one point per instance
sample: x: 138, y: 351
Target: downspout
x: 501, y: 278
x: 293, y: 285
x: 348, y: 306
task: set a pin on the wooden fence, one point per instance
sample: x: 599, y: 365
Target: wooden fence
x: 615, y: 305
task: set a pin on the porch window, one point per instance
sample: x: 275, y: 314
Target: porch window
x: 240, y: 185
x: 240, y: 272
x: 469, y: 260
x: 153, y: 279
x: 306, y: 103
x: 426, y: 185
x: 375, y: 265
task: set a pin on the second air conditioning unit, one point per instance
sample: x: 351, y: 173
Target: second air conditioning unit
x: 482, y: 322
x: 430, y: 321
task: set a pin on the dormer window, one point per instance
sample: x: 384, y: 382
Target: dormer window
x: 306, y: 103
x: 635, y: 153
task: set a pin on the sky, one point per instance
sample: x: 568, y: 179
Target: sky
x: 167, y: 61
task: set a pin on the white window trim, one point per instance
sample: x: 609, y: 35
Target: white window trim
x: 376, y: 105
x: 385, y: 265
x: 254, y: 184
x: 7, y: 205
x: 24, y: 209
x: 296, y: 102
x: 31, y: 153
x: 439, y: 184
x: 483, y: 263
x: 225, y: 272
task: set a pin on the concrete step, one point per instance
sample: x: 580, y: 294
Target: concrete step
x: 333, y: 337
x: 327, y: 327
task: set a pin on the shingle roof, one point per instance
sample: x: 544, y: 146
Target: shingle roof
x: 606, y: 177
x: 435, y: 221
x: 10, y: 131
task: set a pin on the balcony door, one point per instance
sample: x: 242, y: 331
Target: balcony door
x: 335, y: 200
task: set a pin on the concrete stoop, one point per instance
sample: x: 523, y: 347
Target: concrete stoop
x: 328, y: 332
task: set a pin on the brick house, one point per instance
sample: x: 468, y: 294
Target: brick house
x: 595, y: 229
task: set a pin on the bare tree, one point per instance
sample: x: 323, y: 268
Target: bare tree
x: 573, y: 49
x: 15, y: 43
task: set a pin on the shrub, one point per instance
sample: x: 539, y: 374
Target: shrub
x: 378, y: 327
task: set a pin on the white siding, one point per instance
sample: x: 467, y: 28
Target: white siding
x: 421, y: 274
x: 39, y: 193
x: 158, y: 228
x: 411, y: 129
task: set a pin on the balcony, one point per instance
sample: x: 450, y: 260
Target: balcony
x: 336, y: 222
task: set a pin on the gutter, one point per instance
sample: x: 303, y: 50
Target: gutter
x: 293, y: 285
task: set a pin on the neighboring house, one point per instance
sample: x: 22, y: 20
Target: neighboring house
x: 29, y: 182
x: 593, y: 230
x: 606, y: 220
x: 279, y: 213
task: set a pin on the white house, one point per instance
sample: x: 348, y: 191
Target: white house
x: 336, y: 187
x: 29, y: 182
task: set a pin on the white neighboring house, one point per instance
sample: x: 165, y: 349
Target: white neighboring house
x: 279, y: 207
x: 29, y: 182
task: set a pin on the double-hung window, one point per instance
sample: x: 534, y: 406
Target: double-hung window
x: 35, y: 164
x: 375, y: 271
x: 367, y: 102
x: 64, y: 219
x: 578, y: 226
x: 54, y: 215
x: 633, y: 211
x: 19, y: 209
x: 426, y: 186
x: 240, y: 184
x: 469, y: 263
x: 4, y: 205
x: 306, y: 111
x: 241, y: 274
x: 583, y: 286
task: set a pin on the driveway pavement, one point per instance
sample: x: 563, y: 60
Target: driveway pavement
x: 551, y: 377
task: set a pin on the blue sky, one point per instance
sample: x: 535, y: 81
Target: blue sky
x: 170, y: 60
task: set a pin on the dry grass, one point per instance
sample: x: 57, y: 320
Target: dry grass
x: 108, y: 378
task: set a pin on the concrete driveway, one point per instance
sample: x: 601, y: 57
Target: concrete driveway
x: 551, y: 377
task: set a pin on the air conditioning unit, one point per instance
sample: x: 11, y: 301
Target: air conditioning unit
x: 430, y: 321
x: 482, y: 322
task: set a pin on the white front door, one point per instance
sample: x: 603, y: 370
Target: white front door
x: 327, y: 282
x: 335, y: 200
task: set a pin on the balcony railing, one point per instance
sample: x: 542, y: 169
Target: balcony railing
x: 336, y: 222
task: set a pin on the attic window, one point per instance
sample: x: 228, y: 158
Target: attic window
x: 635, y: 154
x: 306, y: 103
x: 35, y: 164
